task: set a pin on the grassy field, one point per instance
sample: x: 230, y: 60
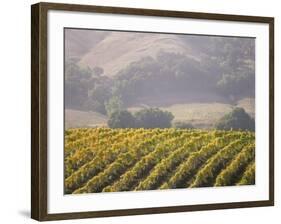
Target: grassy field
x: 248, y: 104
x: 200, y: 115
x: 76, y: 118
x: 113, y: 160
x: 203, y: 115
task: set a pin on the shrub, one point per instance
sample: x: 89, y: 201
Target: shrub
x: 237, y: 119
x: 121, y: 119
x: 153, y: 118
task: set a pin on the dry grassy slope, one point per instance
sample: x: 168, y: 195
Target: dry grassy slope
x: 248, y: 104
x: 76, y: 119
x: 119, y: 49
x: 78, y: 42
x: 202, y: 115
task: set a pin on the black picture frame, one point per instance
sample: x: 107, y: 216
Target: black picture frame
x: 39, y: 106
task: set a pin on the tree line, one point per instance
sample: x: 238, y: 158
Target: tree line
x: 226, y: 68
x: 237, y: 119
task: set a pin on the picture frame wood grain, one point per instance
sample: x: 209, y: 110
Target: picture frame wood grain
x: 39, y: 106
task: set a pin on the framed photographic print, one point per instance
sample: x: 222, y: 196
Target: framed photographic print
x: 140, y: 111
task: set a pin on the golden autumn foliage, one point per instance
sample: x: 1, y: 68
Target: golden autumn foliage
x: 112, y: 160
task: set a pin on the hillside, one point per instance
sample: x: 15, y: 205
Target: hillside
x: 76, y: 118
x: 78, y: 42
x: 197, y: 78
x: 248, y: 104
x: 119, y: 49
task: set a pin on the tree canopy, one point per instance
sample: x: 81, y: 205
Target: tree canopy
x: 225, y: 67
x: 145, y: 118
x: 237, y: 119
x: 121, y: 119
x: 153, y: 118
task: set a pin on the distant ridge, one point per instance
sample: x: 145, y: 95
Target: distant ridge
x: 118, y: 49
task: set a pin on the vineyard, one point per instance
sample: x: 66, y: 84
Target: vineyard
x: 111, y: 160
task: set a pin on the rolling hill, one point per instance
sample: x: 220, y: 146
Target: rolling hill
x: 118, y: 49
x: 78, y: 41
x: 76, y: 118
x: 197, y: 78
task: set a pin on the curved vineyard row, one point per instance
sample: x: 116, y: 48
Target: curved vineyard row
x: 89, y: 151
x: 111, y: 160
x: 143, y: 167
x: 147, y: 156
x: 248, y: 177
x: 233, y: 172
x: 105, y: 157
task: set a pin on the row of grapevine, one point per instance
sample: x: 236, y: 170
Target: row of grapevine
x: 125, y: 161
x: 142, y: 168
x: 232, y: 172
x: 77, y: 133
x: 167, y: 165
x: 106, y: 157
x: 248, y: 177
x: 86, y: 154
x: 92, y: 168
x: 188, y: 168
x: 206, y: 176
x: 87, y: 140
x: 112, y: 160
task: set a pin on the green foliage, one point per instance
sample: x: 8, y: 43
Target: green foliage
x: 237, y: 119
x: 77, y: 84
x: 93, y: 105
x: 111, y: 160
x: 153, y: 118
x: 147, y: 162
x: 206, y: 176
x: 165, y: 74
x: 119, y: 166
x: 145, y: 118
x: 121, y: 119
x: 234, y: 59
x: 235, y: 169
x: 188, y: 168
x: 89, y: 146
x: 248, y: 177
x: 161, y: 171
x: 99, y: 93
x: 236, y: 85
x: 113, y: 105
x: 224, y: 67
x: 98, y: 71
x: 85, y: 89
